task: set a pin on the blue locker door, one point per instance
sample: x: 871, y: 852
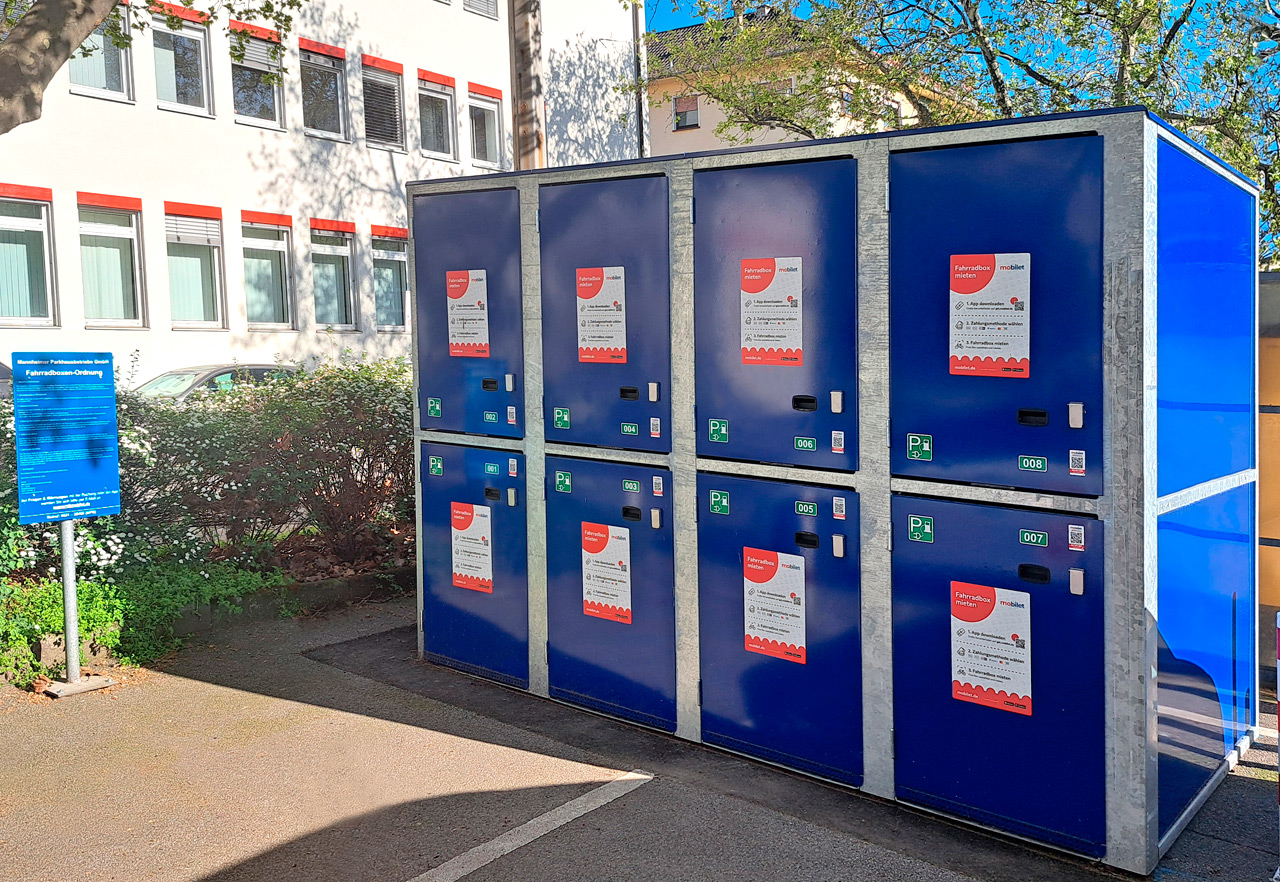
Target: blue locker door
x: 995, y: 291
x: 470, y: 337
x: 475, y: 607
x: 611, y: 623
x: 780, y: 610
x: 998, y: 668
x: 606, y: 313
x: 776, y: 313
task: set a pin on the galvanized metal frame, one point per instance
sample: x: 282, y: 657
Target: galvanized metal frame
x: 1128, y: 508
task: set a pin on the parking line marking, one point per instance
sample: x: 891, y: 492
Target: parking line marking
x: 517, y: 837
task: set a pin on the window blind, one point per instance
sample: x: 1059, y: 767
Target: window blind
x: 257, y: 54
x: 192, y: 230
x: 383, y: 112
x: 484, y: 7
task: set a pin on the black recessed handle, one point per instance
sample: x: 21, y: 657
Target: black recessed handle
x: 1034, y: 573
x: 489, y: 384
x: 629, y: 393
x: 1032, y: 416
x: 630, y: 513
x: 492, y: 493
x: 806, y: 403
x: 806, y: 540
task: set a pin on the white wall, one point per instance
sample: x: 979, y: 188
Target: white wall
x: 137, y: 150
x: 588, y: 53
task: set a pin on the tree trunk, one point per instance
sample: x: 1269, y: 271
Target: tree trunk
x: 37, y: 48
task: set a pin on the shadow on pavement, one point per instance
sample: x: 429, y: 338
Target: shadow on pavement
x: 1222, y: 844
x: 397, y: 843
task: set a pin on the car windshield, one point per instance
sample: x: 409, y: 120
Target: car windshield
x: 167, y: 385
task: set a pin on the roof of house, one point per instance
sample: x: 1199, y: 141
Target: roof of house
x: 662, y: 45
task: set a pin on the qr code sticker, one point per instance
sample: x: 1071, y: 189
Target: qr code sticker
x: 837, y: 508
x: 1075, y: 463
x: 1075, y: 537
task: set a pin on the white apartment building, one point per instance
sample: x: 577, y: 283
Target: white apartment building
x: 176, y: 208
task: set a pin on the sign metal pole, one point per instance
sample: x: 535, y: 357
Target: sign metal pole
x: 70, y: 604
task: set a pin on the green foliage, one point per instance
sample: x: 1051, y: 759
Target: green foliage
x: 33, y: 608
x: 152, y: 599
x: 212, y: 492
x: 344, y: 434
x: 1210, y: 67
x: 132, y: 616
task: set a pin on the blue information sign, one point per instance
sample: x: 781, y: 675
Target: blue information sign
x: 64, y: 406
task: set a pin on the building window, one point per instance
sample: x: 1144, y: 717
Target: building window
x: 390, y: 281
x: 686, y: 112
x: 110, y: 265
x: 255, y: 85
x: 487, y: 8
x: 383, y: 108
x: 26, y: 270
x: 435, y: 112
x: 486, y: 131
x: 331, y: 278
x: 195, y: 269
x: 266, y: 275
x: 106, y: 69
x: 182, y: 65
x: 323, y: 101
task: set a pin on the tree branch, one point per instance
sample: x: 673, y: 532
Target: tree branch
x: 36, y: 49
x: 978, y: 29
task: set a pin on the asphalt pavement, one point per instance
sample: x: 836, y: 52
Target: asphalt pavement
x: 321, y: 749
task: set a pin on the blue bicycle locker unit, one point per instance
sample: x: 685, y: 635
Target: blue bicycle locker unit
x: 611, y: 627
x: 1051, y: 325
x: 469, y: 312
x: 776, y: 313
x: 606, y: 313
x: 995, y: 308
x: 475, y: 588
x: 998, y: 667
x: 1207, y: 593
x: 779, y: 609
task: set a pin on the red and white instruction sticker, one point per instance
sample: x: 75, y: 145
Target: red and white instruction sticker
x: 602, y: 315
x: 606, y: 572
x: 773, y: 603
x: 468, y: 299
x: 991, y: 315
x: 991, y: 646
x: 772, y: 311
x: 472, y: 542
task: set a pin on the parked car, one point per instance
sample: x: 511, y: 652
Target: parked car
x: 179, y: 383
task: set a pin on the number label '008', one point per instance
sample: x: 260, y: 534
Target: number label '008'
x: 1033, y: 463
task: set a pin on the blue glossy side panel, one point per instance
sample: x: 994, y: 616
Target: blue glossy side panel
x: 806, y: 210
x: 1207, y: 693
x: 1207, y: 270
x: 469, y: 231
x: 628, y: 670
x: 1042, y: 775
x: 484, y: 634
x: 597, y: 224
x: 805, y: 716
x: 1038, y: 197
